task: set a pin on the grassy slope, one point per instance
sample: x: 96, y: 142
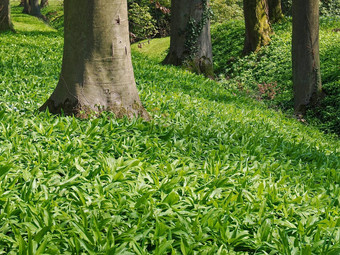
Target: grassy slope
x: 271, y: 67
x: 212, y: 173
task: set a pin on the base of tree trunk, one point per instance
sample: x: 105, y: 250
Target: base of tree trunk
x: 201, y: 66
x: 69, y: 108
x: 172, y: 59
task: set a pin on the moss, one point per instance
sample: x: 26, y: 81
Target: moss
x: 201, y: 65
x: 258, y: 29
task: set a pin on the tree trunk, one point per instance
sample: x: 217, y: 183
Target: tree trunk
x: 305, y: 54
x: 257, y: 25
x: 22, y: 3
x: 97, y: 73
x: 43, y: 3
x: 190, y: 41
x: 32, y: 7
x: 274, y: 11
x: 27, y: 7
x: 35, y: 8
x: 5, y: 16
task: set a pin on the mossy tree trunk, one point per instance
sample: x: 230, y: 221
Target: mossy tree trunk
x: 275, y: 11
x: 190, y: 41
x: 257, y: 25
x: 43, y: 3
x: 5, y: 16
x: 97, y: 73
x: 305, y: 54
x: 32, y: 7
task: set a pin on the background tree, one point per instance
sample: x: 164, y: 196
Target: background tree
x: 305, y: 54
x: 190, y: 41
x: 43, y: 3
x: 257, y: 25
x: 5, y: 16
x: 32, y: 7
x: 97, y: 71
x: 274, y: 11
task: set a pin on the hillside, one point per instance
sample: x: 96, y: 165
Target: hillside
x: 213, y: 172
x: 266, y: 76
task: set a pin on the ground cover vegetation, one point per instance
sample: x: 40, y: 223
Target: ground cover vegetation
x: 211, y: 173
x: 267, y: 75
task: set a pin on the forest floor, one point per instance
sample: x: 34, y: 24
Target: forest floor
x: 266, y: 76
x: 213, y: 172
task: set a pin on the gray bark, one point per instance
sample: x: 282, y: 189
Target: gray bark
x: 305, y: 54
x: 5, y: 16
x: 199, y: 54
x: 97, y: 73
x: 32, y: 7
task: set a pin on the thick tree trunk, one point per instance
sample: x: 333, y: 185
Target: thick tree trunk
x: 305, y: 54
x: 97, y: 73
x: 190, y: 41
x: 274, y: 11
x: 258, y: 29
x: 32, y: 7
x: 35, y: 8
x: 5, y: 16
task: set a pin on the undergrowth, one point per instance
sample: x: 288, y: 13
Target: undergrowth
x: 271, y: 68
x: 211, y: 173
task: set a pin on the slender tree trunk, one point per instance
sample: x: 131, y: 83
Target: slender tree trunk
x: 305, y: 54
x: 190, y: 41
x: 5, y: 16
x: 43, y: 3
x: 27, y: 7
x: 97, y: 73
x: 274, y: 11
x: 258, y: 29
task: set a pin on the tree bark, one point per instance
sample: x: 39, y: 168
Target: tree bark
x: 5, y: 16
x: 27, y: 7
x: 35, y: 8
x: 43, y: 3
x: 305, y: 54
x: 258, y: 29
x: 190, y: 41
x: 274, y: 11
x: 97, y: 73
x: 32, y: 7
